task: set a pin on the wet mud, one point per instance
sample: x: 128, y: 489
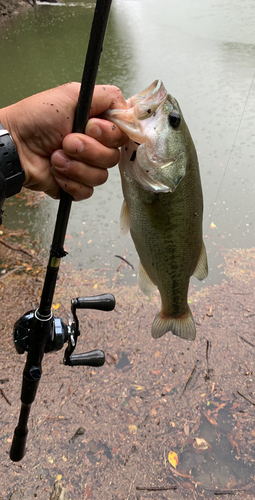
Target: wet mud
x: 162, y: 419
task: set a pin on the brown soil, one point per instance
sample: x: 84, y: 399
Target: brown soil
x: 107, y: 432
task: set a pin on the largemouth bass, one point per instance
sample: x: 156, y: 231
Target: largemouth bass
x: 163, y: 203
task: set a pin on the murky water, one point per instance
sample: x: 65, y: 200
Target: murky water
x: 204, y: 53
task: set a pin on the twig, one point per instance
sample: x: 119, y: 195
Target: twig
x: 125, y: 260
x: 132, y: 484
x: 165, y: 457
x: 247, y: 341
x: 5, y: 397
x: 12, y: 271
x: 232, y: 492
x: 189, y: 379
x: 157, y: 488
x: 18, y: 249
x: 247, y: 399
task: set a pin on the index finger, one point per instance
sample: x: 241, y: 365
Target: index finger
x: 105, y: 97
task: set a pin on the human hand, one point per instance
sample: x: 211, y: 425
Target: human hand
x: 51, y: 156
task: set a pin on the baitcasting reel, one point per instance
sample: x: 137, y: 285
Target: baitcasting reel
x: 60, y: 332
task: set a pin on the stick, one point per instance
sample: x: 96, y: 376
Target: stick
x: 5, y: 397
x: 125, y: 260
x: 247, y: 399
x: 17, y: 249
x: 157, y: 488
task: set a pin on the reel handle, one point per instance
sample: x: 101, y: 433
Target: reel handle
x: 91, y: 358
x: 104, y: 302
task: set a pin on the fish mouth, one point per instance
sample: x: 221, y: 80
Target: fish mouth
x: 140, y: 107
x: 154, y: 94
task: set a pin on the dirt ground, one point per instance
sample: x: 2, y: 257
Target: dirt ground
x: 158, y: 415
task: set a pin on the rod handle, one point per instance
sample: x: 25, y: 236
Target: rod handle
x: 18, y: 446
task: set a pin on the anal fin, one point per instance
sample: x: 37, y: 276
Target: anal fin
x: 201, y: 270
x: 144, y: 282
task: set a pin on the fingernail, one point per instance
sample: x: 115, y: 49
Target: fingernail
x: 93, y: 130
x: 75, y: 146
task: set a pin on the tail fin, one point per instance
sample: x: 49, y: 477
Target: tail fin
x: 182, y: 326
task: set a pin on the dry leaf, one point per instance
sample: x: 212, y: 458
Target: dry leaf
x: 201, y: 444
x: 210, y: 419
x: 186, y: 429
x: 55, y: 306
x: 157, y: 354
x: 133, y: 405
x: 173, y: 458
x: 132, y: 429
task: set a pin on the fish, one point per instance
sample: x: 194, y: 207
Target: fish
x: 163, y: 203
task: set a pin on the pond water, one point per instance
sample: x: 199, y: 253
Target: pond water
x: 204, y: 53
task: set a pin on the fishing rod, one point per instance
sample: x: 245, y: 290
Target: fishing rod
x: 38, y: 331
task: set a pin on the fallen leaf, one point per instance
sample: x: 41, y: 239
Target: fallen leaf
x: 173, y: 458
x: 212, y: 225
x: 55, y: 306
x: 201, y: 444
x: 133, y: 405
x: 186, y: 429
x: 88, y: 491
x: 132, y: 429
x: 219, y: 407
x: 210, y: 419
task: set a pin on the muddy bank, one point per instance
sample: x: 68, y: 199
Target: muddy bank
x: 9, y: 8
x: 113, y: 432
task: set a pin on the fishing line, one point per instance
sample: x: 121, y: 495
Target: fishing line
x: 230, y: 154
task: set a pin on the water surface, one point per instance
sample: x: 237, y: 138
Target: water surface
x: 204, y: 53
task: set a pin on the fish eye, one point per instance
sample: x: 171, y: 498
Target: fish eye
x: 174, y: 119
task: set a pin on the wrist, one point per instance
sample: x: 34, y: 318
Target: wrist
x: 10, y: 166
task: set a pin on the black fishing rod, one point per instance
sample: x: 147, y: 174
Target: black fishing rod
x: 38, y: 331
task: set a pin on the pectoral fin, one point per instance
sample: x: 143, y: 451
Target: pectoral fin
x: 201, y: 271
x: 144, y: 282
x: 124, y: 219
